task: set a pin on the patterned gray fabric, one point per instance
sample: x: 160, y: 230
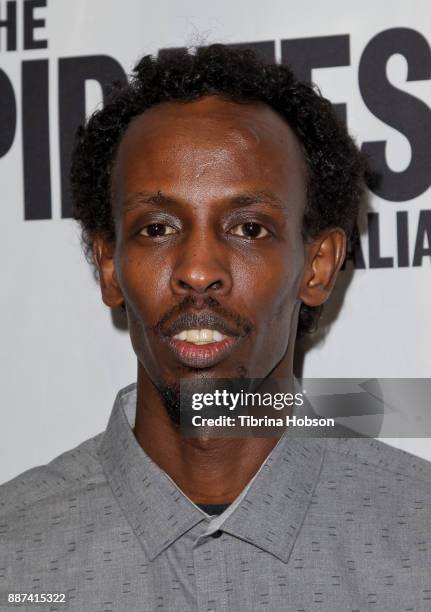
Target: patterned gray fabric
x: 326, y: 525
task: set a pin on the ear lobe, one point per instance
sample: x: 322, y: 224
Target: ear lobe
x: 325, y: 255
x: 103, y: 255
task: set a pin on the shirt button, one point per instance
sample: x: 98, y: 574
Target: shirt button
x: 217, y: 534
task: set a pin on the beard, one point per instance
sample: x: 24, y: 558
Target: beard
x: 171, y: 399
x: 177, y: 398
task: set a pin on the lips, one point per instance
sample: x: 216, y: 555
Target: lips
x: 202, y: 355
x: 201, y: 339
x: 201, y: 321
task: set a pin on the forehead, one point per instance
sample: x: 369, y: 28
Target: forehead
x: 210, y: 144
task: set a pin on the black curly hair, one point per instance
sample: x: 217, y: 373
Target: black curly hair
x: 336, y: 167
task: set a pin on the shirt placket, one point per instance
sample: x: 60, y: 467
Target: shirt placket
x: 212, y: 587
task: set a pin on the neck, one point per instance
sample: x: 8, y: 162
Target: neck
x: 207, y: 470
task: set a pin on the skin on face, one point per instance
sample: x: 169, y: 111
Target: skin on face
x: 187, y: 182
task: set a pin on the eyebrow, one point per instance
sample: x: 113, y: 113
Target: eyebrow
x: 140, y: 198
x: 247, y: 198
x: 258, y: 197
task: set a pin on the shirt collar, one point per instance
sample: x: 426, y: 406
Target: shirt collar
x: 269, y: 515
x: 273, y: 510
x: 156, y: 509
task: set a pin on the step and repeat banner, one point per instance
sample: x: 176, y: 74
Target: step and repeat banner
x: 63, y: 356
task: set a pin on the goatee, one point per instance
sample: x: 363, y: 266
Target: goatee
x: 171, y: 398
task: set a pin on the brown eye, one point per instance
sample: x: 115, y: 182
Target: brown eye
x: 250, y: 230
x: 155, y: 230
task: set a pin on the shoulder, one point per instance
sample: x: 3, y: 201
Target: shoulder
x: 376, y: 456
x: 373, y: 474
x: 71, y: 470
x: 49, y: 512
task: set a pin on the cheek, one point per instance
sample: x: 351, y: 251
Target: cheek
x: 142, y: 281
x: 270, y: 282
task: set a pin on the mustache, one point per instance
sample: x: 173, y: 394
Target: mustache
x: 216, y: 316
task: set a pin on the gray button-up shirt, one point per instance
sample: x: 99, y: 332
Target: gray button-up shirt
x: 326, y: 525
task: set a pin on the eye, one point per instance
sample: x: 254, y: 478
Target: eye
x: 250, y: 230
x: 154, y: 230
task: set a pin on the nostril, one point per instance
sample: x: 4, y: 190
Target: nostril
x: 216, y: 285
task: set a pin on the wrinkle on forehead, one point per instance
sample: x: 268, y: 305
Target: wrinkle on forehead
x: 255, y: 134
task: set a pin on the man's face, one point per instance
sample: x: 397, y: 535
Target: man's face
x: 208, y: 200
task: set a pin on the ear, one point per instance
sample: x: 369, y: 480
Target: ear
x: 103, y: 254
x: 324, y: 257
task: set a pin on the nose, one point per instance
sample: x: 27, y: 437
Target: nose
x: 202, y: 266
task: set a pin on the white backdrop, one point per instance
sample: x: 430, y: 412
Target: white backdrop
x: 62, y: 360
